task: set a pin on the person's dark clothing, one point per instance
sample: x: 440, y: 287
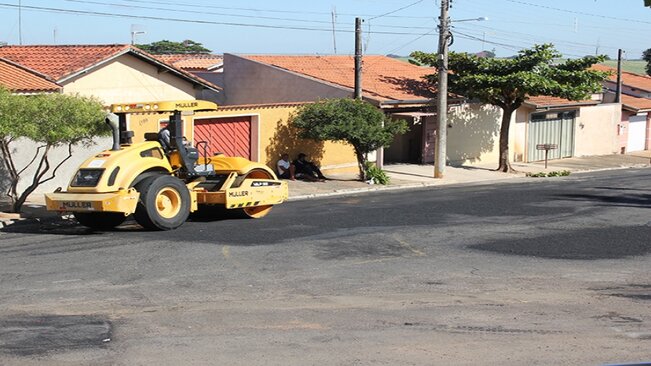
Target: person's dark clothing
x: 308, y: 168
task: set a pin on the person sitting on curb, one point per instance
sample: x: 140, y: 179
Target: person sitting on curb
x: 307, y: 169
x: 286, y: 170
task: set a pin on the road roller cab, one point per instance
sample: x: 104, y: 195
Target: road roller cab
x: 163, y: 179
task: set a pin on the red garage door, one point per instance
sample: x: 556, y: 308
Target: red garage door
x: 231, y: 136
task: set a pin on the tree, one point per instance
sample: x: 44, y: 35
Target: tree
x: 507, y: 83
x: 168, y: 47
x: 50, y: 120
x: 646, y: 56
x: 487, y: 53
x: 356, y: 122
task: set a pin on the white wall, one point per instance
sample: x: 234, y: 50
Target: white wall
x: 24, y: 150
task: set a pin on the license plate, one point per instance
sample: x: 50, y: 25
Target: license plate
x: 76, y: 205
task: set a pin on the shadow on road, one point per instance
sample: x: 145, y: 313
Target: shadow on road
x: 586, y: 244
x: 625, y: 200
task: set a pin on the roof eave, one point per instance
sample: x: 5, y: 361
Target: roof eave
x: 558, y: 106
x: 153, y: 60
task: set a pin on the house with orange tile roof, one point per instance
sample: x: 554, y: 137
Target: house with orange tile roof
x: 575, y: 128
x: 396, y: 87
x: 634, y: 129
x: 112, y: 73
x: 400, y: 90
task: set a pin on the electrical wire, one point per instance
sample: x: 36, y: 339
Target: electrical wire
x: 180, y: 20
x: 268, y: 10
x: 577, y: 12
x: 397, y: 10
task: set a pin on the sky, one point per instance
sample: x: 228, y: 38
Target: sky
x: 576, y: 27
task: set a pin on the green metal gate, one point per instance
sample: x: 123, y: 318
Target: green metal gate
x: 551, y: 128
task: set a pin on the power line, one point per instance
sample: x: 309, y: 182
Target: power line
x: 193, y: 21
x: 270, y: 10
x: 577, y: 12
x: 329, y: 22
x: 397, y: 10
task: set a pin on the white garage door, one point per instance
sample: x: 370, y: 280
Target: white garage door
x: 636, y: 132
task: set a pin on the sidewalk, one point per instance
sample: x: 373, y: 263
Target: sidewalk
x: 405, y: 176
x: 413, y: 175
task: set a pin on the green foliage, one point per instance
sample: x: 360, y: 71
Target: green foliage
x: 559, y: 173
x: 507, y: 83
x: 169, y: 47
x: 50, y: 120
x: 376, y: 175
x: 356, y: 122
x: 646, y: 56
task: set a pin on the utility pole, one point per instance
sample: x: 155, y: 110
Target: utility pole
x: 20, y: 23
x: 334, y: 31
x: 358, y: 58
x: 618, y: 92
x: 442, y: 131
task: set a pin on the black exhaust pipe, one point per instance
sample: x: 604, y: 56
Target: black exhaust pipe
x: 113, y: 121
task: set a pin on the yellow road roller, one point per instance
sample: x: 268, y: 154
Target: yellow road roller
x: 163, y: 179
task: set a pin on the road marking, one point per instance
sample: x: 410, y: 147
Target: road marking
x: 65, y: 281
x: 406, y: 245
x: 384, y: 259
x: 226, y: 251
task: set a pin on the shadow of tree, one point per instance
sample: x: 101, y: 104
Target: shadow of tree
x: 286, y: 140
x: 474, y: 132
x: 626, y: 200
x: 420, y: 87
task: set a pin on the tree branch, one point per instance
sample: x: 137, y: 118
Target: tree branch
x: 38, y: 150
x: 54, y: 172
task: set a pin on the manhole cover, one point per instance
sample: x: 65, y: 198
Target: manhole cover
x: 30, y: 335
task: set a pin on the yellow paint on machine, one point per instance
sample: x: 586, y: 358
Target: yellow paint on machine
x: 257, y: 192
x: 121, y: 201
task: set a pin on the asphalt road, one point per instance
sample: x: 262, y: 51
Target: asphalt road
x: 538, y: 271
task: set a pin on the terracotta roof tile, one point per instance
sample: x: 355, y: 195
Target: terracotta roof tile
x: 60, y: 61
x: 196, y: 61
x: 541, y: 101
x: 22, y: 80
x: 642, y: 82
x: 636, y: 104
x: 383, y: 77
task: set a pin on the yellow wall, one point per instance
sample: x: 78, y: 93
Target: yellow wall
x: 129, y: 79
x: 270, y: 132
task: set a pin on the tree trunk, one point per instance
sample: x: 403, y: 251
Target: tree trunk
x: 361, y: 164
x: 504, y: 164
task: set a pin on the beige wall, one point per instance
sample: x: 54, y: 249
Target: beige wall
x: 270, y: 134
x: 250, y: 82
x: 473, y: 137
x: 129, y: 79
x: 596, y: 130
